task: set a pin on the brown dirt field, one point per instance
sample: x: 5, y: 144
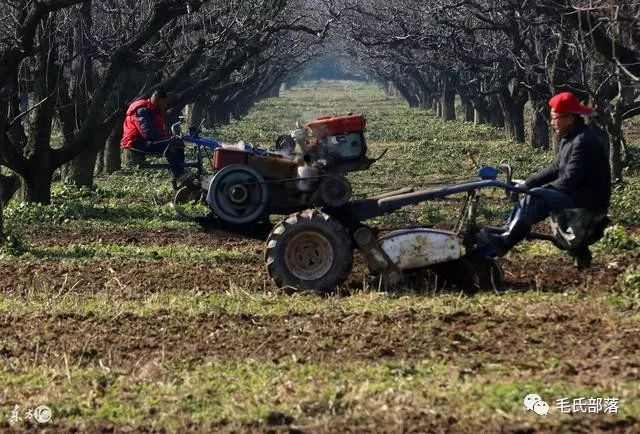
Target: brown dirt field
x: 159, y: 237
x: 137, y: 277
x: 129, y: 279
x: 558, y: 274
x: 412, y: 423
x: 484, y: 337
x: 589, y: 350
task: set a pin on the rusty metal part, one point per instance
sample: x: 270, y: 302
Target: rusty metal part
x: 377, y: 259
x: 421, y: 247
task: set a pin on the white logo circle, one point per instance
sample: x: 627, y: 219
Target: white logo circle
x: 530, y: 400
x: 42, y: 414
x: 541, y: 408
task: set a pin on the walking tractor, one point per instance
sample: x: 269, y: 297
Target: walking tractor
x: 250, y: 183
x: 313, y: 249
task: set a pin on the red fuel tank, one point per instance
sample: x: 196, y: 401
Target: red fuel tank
x: 224, y: 157
x: 331, y: 126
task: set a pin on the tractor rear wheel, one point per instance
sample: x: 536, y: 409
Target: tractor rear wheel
x: 309, y: 250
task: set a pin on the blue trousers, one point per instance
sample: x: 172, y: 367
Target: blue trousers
x: 174, y: 154
x: 538, y: 205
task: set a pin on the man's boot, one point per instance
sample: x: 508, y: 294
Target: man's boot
x: 504, y: 242
x: 581, y: 257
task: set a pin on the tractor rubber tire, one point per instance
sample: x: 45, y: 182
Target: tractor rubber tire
x: 309, y: 250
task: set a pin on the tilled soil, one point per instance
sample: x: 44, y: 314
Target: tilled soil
x: 558, y: 274
x: 140, y: 275
x: 590, y: 349
x: 403, y: 335
x: 196, y: 237
x: 129, y: 278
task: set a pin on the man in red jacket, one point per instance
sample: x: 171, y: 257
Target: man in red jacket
x: 144, y: 130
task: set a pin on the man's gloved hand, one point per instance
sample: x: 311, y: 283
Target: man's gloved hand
x: 520, y: 184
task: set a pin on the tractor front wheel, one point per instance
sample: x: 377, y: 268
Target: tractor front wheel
x: 309, y: 250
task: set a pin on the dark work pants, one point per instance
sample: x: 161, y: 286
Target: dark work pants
x: 174, y: 154
x: 533, y: 208
x: 538, y: 205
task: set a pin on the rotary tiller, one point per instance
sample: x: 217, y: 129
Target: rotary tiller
x: 313, y: 249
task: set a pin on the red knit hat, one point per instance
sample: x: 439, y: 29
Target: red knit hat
x: 566, y: 102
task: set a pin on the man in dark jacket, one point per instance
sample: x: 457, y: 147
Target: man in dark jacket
x: 144, y: 130
x: 579, y: 177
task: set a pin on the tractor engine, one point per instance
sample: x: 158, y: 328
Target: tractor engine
x: 340, y: 143
x: 338, y: 146
x: 250, y: 183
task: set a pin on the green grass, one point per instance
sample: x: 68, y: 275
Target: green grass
x: 308, y: 392
x: 234, y: 300
x: 100, y: 250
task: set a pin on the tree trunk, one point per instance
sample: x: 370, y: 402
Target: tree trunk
x: 496, y: 117
x: 448, y: 101
x: 513, y: 112
x: 613, y: 125
x: 438, y: 104
x: 81, y: 169
x: 539, y: 124
x: 8, y: 187
x: 100, y: 162
x: 407, y: 94
x: 222, y: 116
x: 467, y: 109
x: 448, y: 106
x: 391, y: 89
x: 615, y: 156
x: 478, y: 118
x: 36, y: 177
x: 198, y: 111
x: 112, y: 154
x: 289, y: 83
x: 517, y: 121
x: 617, y: 143
x: 608, y: 127
x: 428, y: 101
x: 36, y: 187
x: 219, y: 112
x: 421, y: 89
x: 481, y: 112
